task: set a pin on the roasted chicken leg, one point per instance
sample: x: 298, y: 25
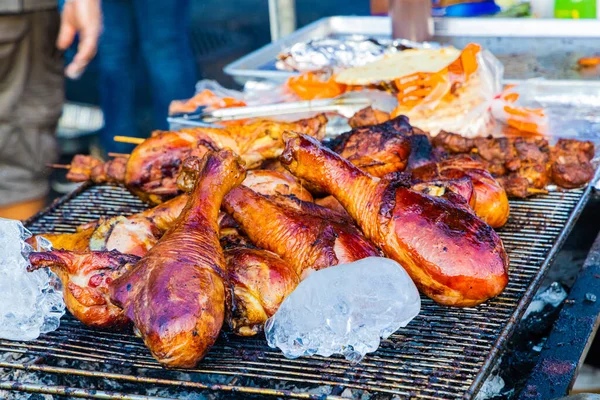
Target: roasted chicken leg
x: 451, y: 255
x: 175, y: 295
x: 151, y: 170
x: 306, y: 235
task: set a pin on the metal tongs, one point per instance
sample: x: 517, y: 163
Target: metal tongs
x: 344, y: 105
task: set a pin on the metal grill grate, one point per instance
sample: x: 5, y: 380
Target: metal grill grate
x: 444, y: 353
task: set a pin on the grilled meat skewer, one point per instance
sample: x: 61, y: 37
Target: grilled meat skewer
x: 151, y: 171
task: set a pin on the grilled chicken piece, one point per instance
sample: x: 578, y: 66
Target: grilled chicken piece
x: 526, y: 162
x: 378, y: 149
x: 175, y: 294
x: 307, y: 236
x: 572, y: 163
x: 151, y: 170
x: 271, y: 183
x: 134, y: 234
x: 451, y: 255
x: 261, y: 280
x: 368, y: 116
x: 491, y: 201
x: 453, y: 142
x: 86, y: 278
x: 138, y: 233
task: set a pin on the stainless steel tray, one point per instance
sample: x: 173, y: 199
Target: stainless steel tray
x: 528, y: 48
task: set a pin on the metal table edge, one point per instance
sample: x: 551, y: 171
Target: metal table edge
x: 559, y: 361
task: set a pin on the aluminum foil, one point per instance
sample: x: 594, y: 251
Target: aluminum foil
x: 350, y: 51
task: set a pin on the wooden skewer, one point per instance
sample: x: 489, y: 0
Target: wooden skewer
x: 118, y: 155
x: 537, y: 191
x: 59, y: 166
x: 128, y: 139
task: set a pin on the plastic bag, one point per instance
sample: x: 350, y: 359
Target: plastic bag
x: 457, y: 98
x: 507, y: 109
x: 209, y: 94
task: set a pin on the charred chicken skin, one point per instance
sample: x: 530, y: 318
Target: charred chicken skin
x: 379, y: 149
x: 308, y: 236
x: 175, y: 294
x: 452, y: 256
x: 151, y: 170
x: 368, y: 116
x: 86, y: 278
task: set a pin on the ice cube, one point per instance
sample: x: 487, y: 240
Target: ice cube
x: 552, y: 295
x: 31, y: 303
x: 344, y: 309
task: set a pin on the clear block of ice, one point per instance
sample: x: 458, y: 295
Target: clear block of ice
x: 31, y: 303
x: 345, y: 309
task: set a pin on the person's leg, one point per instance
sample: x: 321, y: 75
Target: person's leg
x: 116, y: 61
x: 31, y: 75
x: 164, y: 37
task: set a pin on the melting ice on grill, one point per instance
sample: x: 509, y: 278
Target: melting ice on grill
x: 31, y: 303
x: 344, y: 309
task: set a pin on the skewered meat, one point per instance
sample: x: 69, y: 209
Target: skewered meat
x: 151, y: 170
x: 368, y: 116
x: 452, y: 256
x: 86, y: 278
x: 378, y: 149
x: 491, y: 202
x: 572, y: 163
x: 175, y: 294
x: 308, y: 236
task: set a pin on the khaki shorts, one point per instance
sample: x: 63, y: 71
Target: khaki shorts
x: 31, y: 99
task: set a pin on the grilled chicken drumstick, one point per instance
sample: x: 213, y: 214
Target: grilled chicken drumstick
x: 175, y: 294
x: 306, y: 235
x: 452, y: 256
x: 151, y: 170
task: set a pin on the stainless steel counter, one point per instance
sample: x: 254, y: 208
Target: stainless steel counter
x: 529, y: 48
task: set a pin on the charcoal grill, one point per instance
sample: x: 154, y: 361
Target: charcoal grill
x: 444, y: 353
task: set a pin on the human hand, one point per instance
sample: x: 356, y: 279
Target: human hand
x: 83, y: 17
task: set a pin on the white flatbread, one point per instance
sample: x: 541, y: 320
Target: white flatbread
x: 397, y: 65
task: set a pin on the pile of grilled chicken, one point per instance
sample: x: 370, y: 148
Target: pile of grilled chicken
x: 242, y: 214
